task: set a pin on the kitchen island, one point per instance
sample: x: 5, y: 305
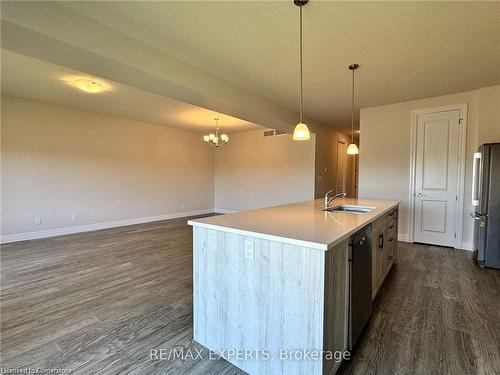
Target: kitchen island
x: 271, y: 286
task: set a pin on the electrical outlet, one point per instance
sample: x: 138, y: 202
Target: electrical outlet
x: 73, y: 217
x: 320, y: 177
x: 249, y: 249
x: 183, y: 205
x: 38, y: 220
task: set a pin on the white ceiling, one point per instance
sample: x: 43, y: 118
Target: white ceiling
x: 406, y: 50
x: 30, y: 78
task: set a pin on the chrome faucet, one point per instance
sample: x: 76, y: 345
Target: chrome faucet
x: 329, y: 200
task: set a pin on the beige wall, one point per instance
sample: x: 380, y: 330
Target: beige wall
x: 326, y: 163
x: 254, y: 171
x: 58, y: 161
x: 384, y: 169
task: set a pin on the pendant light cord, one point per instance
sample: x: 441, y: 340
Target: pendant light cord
x: 352, y: 114
x: 301, y: 102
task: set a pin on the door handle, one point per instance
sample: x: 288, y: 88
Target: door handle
x: 418, y: 195
x: 474, y: 216
x: 475, y: 178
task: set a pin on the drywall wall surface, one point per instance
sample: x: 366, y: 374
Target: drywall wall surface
x: 253, y: 171
x: 70, y: 168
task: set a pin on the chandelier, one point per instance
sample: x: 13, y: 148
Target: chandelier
x: 216, y: 139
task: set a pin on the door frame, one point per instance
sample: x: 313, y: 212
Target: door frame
x: 462, y: 134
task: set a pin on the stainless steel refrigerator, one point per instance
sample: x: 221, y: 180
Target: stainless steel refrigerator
x: 486, y: 203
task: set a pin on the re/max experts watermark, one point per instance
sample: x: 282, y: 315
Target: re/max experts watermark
x: 239, y: 354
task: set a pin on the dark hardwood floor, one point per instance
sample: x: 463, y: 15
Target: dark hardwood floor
x: 96, y: 303
x: 437, y: 313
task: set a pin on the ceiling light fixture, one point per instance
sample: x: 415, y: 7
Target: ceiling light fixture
x: 301, y: 132
x: 214, y: 139
x: 89, y: 86
x: 352, y: 149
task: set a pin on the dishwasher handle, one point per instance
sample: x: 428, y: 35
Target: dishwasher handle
x: 381, y: 241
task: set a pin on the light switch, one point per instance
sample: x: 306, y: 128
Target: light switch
x: 249, y: 249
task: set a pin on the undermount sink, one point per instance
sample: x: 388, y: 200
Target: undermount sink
x: 347, y: 208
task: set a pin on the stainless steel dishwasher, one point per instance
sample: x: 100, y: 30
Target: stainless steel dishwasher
x: 360, y: 283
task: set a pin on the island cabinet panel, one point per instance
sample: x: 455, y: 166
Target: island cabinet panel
x: 256, y: 294
x: 336, y: 303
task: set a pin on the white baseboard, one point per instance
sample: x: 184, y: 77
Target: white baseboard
x: 224, y: 211
x: 403, y: 237
x: 91, y: 227
x: 467, y: 246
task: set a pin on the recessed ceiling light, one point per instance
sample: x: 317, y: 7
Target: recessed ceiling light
x: 89, y: 86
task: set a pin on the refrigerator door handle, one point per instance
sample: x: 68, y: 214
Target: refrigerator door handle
x: 475, y: 178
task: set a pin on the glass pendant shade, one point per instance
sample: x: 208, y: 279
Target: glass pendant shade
x: 352, y: 149
x: 301, y: 132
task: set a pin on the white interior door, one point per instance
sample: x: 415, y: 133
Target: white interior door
x: 341, y: 166
x: 436, y: 178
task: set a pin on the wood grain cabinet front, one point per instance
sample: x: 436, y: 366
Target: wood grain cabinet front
x: 379, y: 229
x: 384, y: 248
x: 392, y: 240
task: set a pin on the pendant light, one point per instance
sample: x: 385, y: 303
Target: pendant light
x: 352, y: 149
x: 301, y: 132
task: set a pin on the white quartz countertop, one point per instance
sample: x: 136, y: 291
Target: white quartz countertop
x: 302, y: 224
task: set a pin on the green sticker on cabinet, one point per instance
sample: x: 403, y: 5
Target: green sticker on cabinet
x: 482, y: 224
